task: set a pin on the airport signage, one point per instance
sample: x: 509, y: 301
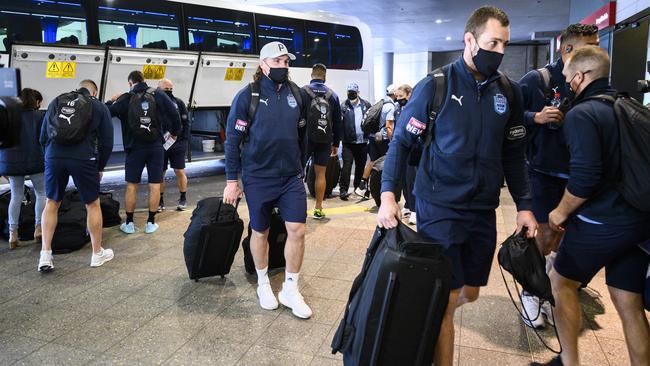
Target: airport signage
x: 603, y: 17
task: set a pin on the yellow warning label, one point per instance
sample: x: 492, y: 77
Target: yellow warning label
x: 60, y: 69
x: 234, y: 74
x: 154, y: 72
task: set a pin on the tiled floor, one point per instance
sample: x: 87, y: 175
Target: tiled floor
x: 141, y: 308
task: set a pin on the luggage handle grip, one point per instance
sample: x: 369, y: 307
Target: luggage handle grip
x: 233, y: 213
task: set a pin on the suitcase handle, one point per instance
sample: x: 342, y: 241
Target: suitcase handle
x: 234, y: 212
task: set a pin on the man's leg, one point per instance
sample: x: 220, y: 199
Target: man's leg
x: 49, y: 221
x: 444, y: 351
x: 360, y: 156
x: 321, y: 183
x: 161, y: 203
x: 181, y: 179
x: 94, y: 223
x: 260, y: 248
x: 294, y: 250
x: 629, y: 306
x: 568, y: 316
x: 344, y: 181
x: 130, y: 198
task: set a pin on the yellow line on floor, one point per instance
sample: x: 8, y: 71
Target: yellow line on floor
x: 344, y: 210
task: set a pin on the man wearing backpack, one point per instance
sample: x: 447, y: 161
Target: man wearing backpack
x: 355, y: 143
x: 547, y: 153
x: 605, y: 210
x: 144, y: 113
x: 265, y: 134
x: 175, y: 155
x: 77, y: 136
x: 378, y: 139
x: 471, y: 142
x: 323, y: 112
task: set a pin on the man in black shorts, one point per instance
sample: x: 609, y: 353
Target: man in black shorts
x: 82, y: 160
x: 144, y: 113
x: 175, y: 154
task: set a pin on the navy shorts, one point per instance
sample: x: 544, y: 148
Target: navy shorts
x: 469, y: 239
x: 137, y: 159
x: 587, y: 248
x: 285, y: 193
x: 175, y: 156
x: 84, y: 174
x: 547, y: 193
x: 377, y: 149
x: 320, y: 153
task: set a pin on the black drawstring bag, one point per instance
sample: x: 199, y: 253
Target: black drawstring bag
x: 520, y: 256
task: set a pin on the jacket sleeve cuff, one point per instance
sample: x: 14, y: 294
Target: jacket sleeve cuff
x: 530, y: 118
x: 232, y: 176
x: 524, y: 204
x: 578, y: 191
x: 387, y: 186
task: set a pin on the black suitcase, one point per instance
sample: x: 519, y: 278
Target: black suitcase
x: 71, y: 233
x: 212, y: 239
x: 396, y: 303
x: 110, y: 209
x: 332, y: 174
x: 277, y: 240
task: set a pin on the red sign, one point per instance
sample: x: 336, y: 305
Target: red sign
x: 603, y: 17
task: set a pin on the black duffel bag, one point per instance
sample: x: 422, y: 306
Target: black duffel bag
x: 277, y: 240
x: 110, y: 207
x: 70, y: 233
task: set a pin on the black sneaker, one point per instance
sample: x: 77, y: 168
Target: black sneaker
x: 556, y: 361
x: 344, y: 196
x: 182, y: 205
x: 161, y: 207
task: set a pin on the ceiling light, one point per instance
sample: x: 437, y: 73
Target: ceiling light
x: 438, y: 21
x: 316, y: 39
x: 448, y: 38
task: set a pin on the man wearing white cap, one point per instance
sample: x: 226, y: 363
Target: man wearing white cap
x: 355, y: 144
x: 264, y: 143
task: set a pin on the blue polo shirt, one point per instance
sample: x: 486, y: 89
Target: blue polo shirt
x: 273, y: 148
x: 478, y: 140
x: 547, y: 152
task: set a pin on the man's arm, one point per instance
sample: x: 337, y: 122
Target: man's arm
x: 535, y: 110
x: 105, y: 129
x: 185, y: 118
x: 514, y: 154
x: 236, y: 124
x: 119, y: 107
x: 170, y: 112
x: 337, y: 120
x: 43, y: 135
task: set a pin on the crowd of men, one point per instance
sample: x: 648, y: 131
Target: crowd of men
x: 558, y: 161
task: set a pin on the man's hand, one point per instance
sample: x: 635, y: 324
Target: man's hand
x: 232, y: 192
x: 549, y: 115
x: 115, y: 97
x: 527, y: 219
x: 335, y: 151
x: 379, y: 137
x: 389, y: 211
x: 556, y: 219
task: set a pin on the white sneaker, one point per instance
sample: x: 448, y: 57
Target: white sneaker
x: 531, y: 310
x: 45, y: 263
x: 413, y: 219
x: 266, y: 296
x: 547, y: 311
x: 291, y: 298
x: 127, y: 228
x: 150, y: 228
x: 405, y: 212
x: 104, y: 256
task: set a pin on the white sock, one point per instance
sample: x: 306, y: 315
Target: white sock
x: 46, y: 252
x: 291, y: 279
x: 262, y: 276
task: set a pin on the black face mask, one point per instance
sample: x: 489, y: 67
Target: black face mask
x: 570, y: 93
x: 487, y: 62
x: 352, y: 95
x: 169, y: 94
x: 402, y: 102
x: 279, y: 74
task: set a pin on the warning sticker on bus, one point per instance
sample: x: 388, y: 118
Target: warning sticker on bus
x: 234, y: 74
x: 60, y: 69
x: 154, y: 72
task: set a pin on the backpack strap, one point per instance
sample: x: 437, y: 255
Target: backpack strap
x: 328, y: 94
x: 602, y: 97
x: 439, y: 77
x: 254, y: 89
x: 309, y: 92
x: 545, y: 76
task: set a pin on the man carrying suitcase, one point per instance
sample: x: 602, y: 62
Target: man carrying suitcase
x: 266, y: 147
x: 478, y: 137
x: 77, y: 135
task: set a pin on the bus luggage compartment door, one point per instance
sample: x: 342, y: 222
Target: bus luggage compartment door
x: 220, y: 77
x: 53, y: 70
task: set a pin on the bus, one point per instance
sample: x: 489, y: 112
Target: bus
x: 208, y: 48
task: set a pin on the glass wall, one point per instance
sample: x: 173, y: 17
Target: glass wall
x: 219, y: 30
x: 44, y: 21
x: 137, y: 24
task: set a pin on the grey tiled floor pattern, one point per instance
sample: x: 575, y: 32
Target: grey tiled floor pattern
x: 142, y: 309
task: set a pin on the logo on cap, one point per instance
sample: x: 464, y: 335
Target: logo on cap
x: 281, y: 47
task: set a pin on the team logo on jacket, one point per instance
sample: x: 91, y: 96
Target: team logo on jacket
x: 516, y: 133
x: 291, y: 101
x: 415, y: 127
x: 241, y: 125
x: 145, y: 105
x: 500, y: 104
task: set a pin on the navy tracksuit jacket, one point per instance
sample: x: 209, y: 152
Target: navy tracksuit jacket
x: 477, y: 141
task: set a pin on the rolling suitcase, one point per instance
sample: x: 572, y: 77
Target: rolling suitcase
x: 277, y: 240
x: 396, y: 303
x: 332, y: 174
x: 212, y: 238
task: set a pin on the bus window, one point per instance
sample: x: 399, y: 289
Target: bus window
x: 44, y: 21
x: 219, y: 30
x: 318, y: 43
x: 347, y: 48
x: 137, y: 24
x: 285, y: 30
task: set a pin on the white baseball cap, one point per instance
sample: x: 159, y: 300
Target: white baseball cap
x: 275, y: 49
x: 390, y: 89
